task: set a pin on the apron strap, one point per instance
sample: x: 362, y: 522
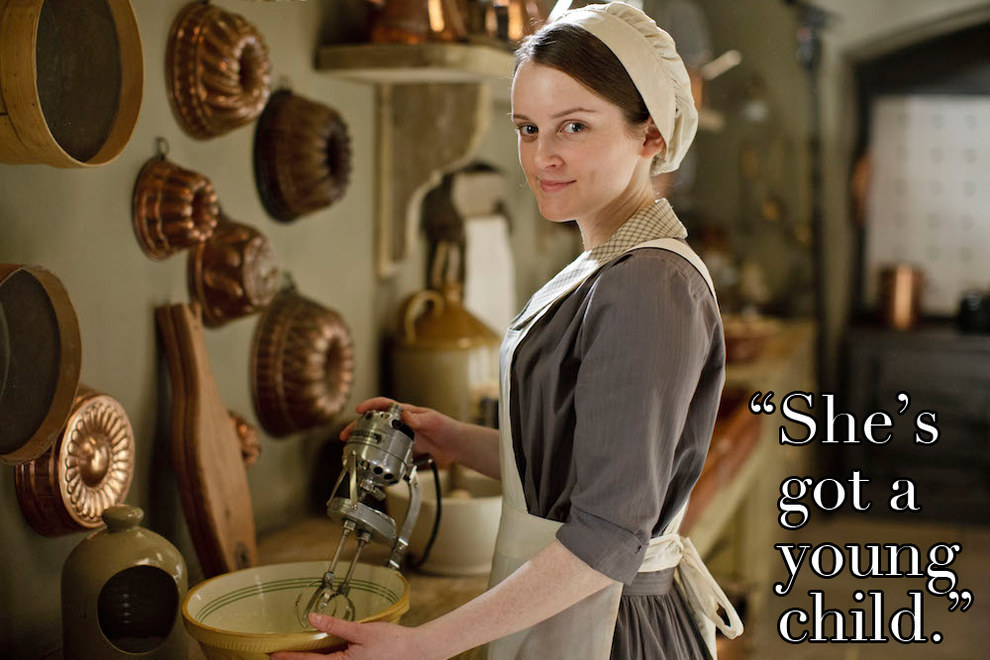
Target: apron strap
x: 684, y: 250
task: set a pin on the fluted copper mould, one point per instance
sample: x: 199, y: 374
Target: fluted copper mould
x: 173, y: 208
x: 302, y: 156
x: 217, y: 70
x: 418, y: 21
x: 40, y: 359
x: 247, y: 435
x: 233, y: 274
x: 302, y: 365
x: 88, y: 469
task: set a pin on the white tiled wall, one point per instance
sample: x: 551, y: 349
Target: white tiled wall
x: 929, y: 199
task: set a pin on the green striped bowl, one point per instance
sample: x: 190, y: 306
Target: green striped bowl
x: 248, y: 614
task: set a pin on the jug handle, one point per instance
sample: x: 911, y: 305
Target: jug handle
x: 412, y: 310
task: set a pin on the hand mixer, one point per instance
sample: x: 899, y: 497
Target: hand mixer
x: 377, y: 454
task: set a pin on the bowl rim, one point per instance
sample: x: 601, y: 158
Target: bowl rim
x: 399, y: 607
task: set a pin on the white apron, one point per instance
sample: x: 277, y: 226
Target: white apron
x: 585, y: 629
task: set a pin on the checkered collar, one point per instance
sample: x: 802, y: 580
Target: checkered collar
x: 652, y: 222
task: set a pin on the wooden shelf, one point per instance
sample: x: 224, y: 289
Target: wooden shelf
x: 417, y: 63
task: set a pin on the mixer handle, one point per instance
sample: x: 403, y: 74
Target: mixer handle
x: 412, y: 513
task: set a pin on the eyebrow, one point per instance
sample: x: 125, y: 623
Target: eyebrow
x: 559, y: 114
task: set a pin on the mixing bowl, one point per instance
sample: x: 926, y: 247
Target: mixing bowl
x: 471, y: 510
x: 245, y: 615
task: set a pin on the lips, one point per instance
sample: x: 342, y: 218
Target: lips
x: 553, y: 186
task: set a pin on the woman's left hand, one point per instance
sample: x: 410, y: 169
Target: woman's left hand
x: 370, y: 641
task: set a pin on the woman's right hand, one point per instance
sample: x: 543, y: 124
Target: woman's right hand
x: 436, y: 433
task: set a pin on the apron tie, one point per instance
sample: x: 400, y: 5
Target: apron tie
x: 700, y: 588
x: 705, y: 594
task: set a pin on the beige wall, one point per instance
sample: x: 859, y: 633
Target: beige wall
x: 77, y: 223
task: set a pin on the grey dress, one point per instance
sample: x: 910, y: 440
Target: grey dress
x: 614, y: 396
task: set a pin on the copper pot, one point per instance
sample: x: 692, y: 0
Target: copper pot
x: 302, y: 365
x: 418, y: 21
x: 900, y: 296
x: 173, y: 208
x: 217, y: 70
x: 302, y: 156
x: 525, y: 18
x: 88, y: 469
x: 233, y: 274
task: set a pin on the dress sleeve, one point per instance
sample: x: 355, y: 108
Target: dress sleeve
x: 646, y: 338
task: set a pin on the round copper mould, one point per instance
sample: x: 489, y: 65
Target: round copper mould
x: 40, y: 358
x: 173, y: 208
x: 233, y: 274
x: 88, y: 469
x: 302, y: 156
x: 217, y: 70
x: 302, y: 365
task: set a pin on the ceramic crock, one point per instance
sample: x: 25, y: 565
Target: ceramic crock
x: 121, y: 591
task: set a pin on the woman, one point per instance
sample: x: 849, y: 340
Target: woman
x: 611, y: 377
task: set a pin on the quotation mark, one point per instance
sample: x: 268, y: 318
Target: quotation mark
x: 960, y: 597
x: 764, y: 407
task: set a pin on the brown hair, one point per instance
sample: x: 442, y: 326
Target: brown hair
x: 585, y: 58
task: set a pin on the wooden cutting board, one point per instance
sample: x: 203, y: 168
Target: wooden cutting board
x: 206, y: 453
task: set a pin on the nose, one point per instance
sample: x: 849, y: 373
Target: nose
x: 545, y: 153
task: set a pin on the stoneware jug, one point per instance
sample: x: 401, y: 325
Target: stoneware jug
x: 445, y: 358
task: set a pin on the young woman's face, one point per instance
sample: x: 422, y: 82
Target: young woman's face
x: 575, y: 147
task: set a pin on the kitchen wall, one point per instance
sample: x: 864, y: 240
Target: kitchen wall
x: 77, y: 223
x: 761, y: 151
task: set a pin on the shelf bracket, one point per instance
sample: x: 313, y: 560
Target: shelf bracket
x: 424, y: 131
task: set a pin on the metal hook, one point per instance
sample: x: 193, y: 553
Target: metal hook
x: 161, y: 147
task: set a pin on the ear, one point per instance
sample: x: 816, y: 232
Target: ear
x: 653, y: 142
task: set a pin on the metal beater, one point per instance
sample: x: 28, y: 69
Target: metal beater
x: 377, y: 454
